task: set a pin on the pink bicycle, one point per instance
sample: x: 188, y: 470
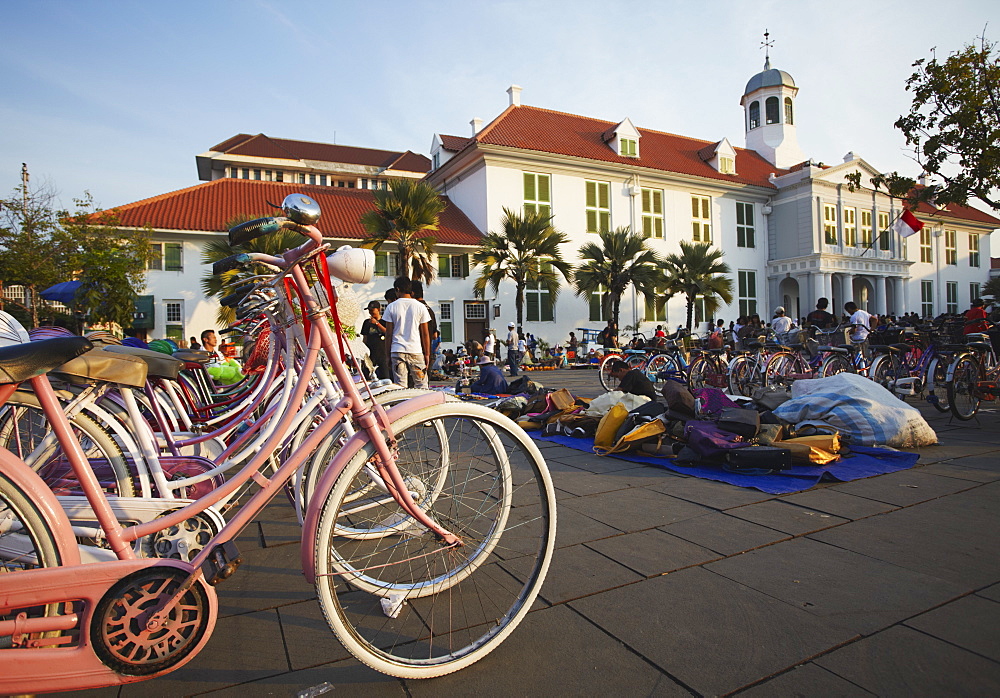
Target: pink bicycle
x: 427, y: 536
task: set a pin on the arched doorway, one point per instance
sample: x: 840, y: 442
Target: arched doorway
x: 864, y: 294
x: 788, y: 292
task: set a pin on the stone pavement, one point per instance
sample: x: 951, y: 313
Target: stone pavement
x: 664, y: 584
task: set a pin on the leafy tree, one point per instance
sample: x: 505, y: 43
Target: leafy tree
x: 622, y: 259
x: 699, y: 271
x: 992, y: 288
x: 35, y: 251
x: 954, y: 128
x: 111, y: 261
x: 406, y: 213
x: 41, y: 246
x: 225, y: 283
x: 525, y: 251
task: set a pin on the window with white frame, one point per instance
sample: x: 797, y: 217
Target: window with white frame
x: 830, y: 224
x: 974, y: 290
x: 155, y: 261
x: 789, y: 112
x: 727, y: 165
x: 850, y: 227
x: 598, y: 311
x: 747, y: 291
x: 628, y: 147
x: 950, y: 248
x: 926, y: 251
x: 166, y: 256
x: 453, y: 266
x: 652, y: 213
x: 444, y: 318
x: 927, y: 299
x: 883, y: 230
x: 598, y: 206
x: 951, y: 297
x: 475, y: 310
x: 745, y: 233
x: 701, y: 218
x: 754, y: 114
x: 537, y: 193
x: 538, y: 303
x: 771, y: 111
x: 386, y: 263
x: 973, y: 250
x: 173, y: 314
x: 866, y: 228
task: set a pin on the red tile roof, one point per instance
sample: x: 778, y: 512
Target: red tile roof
x: 453, y: 143
x: 267, y: 147
x: 531, y: 128
x: 209, y: 206
x: 967, y: 213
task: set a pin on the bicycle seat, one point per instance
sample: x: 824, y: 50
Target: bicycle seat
x: 158, y: 365
x: 104, y: 365
x: 980, y: 346
x: 752, y: 344
x: 717, y: 351
x: 895, y: 348
x: 839, y: 349
x: 19, y: 362
x: 194, y: 357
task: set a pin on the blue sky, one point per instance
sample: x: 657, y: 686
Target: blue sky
x: 117, y: 98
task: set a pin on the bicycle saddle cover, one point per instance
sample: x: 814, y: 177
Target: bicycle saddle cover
x: 19, y: 362
x: 158, y: 365
x: 105, y: 365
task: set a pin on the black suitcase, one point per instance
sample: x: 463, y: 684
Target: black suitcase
x: 758, y: 460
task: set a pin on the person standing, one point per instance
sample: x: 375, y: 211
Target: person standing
x: 608, y: 337
x: 820, y: 317
x: 522, y: 347
x: 975, y: 317
x: 861, y: 321
x: 373, y: 335
x: 193, y: 344
x: 781, y: 323
x: 513, y: 359
x: 490, y: 344
x: 407, y: 337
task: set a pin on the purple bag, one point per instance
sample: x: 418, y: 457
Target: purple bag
x: 713, y: 400
x: 709, y: 441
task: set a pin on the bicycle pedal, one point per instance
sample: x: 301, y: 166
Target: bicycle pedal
x: 222, y: 562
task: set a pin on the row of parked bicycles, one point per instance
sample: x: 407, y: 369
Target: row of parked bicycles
x: 127, y: 476
x: 952, y: 370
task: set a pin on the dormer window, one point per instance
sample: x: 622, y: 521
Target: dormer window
x: 628, y: 147
x: 727, y: 165
x: 436, y: 160
x: 623, y: 139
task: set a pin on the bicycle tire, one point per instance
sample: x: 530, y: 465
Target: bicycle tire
x: 660, y: 364
x: 25, y: 431
x: 779, y: 367
x: 454, y: 605
x: 739, y: 369
x: 937, y: 381
x: 608, y: 382
x: 834, y: 364
x: 885, y: 370
x: 26, y: 542
x: 963, y: 377
x: 696, y: 372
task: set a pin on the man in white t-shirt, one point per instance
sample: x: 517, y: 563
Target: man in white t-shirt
x: 860, y: 320
x: 489, y: 343
x: 513, y: 355
x: 780, y: 323
x: 407, y: 337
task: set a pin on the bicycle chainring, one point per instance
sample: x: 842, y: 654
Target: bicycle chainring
x: 119, y: 632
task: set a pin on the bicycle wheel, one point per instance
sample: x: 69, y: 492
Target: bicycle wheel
x: 25, y: 431
x: 402, y: 603
x: 608, y: 382
x: 26, y: 542
x: 937, y: 374
x: 740, y: 369
x: 885, y: 370
x: 834, y: 364
x: 779, y: 369
x: 963, y: 380
x: 697, y: 372
x: 660, y: 368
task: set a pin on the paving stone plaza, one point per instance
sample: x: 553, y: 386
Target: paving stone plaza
x: 664, y: 584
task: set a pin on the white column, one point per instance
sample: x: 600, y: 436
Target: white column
x: 846, y: 288
x: 880, y: 299
x: 828, y: 286
x: 819, y: 288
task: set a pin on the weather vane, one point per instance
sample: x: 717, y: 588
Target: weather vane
x: 766, y: 44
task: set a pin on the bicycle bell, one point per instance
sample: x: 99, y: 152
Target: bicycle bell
x: 301, y: 209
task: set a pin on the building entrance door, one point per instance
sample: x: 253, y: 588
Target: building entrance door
x: 475, y: 320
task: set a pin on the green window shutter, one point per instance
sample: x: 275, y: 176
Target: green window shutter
x: 529, y: 187
x: 658, y: 227
x: 646, y: 204
x: 173, y: 257
x: 605, y: 194
x: 532, y: 303
x: 548, y: 314
x: 543, y: 188
x: 647, y: 227
x: 444, y: 266
x: 658, y: 202
x: 465, y: 266
x: 595, y: 307
x: 591, y: 221
x: 605, y: 220
x: 545, y: 211
x: 591, y: 194
x: 381, y: 264
x: 445, y: 329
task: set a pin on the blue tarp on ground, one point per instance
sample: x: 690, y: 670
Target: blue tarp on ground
x: 863, y: 462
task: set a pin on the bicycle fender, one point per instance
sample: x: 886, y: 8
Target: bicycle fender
x: 28, y: 481
x: 354, y: 444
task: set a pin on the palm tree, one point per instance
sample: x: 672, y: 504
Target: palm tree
x: 225, y: 283
x: 405, y: 213
x: 698, y: 271
x: 526, y: 251
x: 621, y: 259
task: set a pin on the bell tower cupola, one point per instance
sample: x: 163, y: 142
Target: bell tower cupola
x: 769, y: 114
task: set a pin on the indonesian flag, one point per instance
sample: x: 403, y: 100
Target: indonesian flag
x: 907, y: 224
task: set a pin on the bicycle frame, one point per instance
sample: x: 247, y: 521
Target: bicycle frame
x: 78, y: 588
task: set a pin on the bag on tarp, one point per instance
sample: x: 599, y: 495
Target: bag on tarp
x: 607, y: 429
x: 709, y: 441
x: 640, y: 434
x: 600, y: 405
x: 746, y: 423
x: 814, y: 450
x: 758, y: 460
